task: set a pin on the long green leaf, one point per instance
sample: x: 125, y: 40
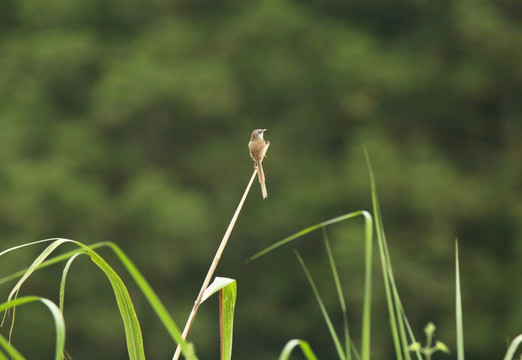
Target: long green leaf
x: 381, y: 241
x: 292, y: 344
x: 366, y: 326
x: 342, y: 302
x: 458, y: 306
x: 227, y: 302
x: 227, y: 305
x: 304, y: 232
x: 43, y: 255
x: 513, y: 347
x: 155, y: 302
x: 46, y: 263
x: 127, y: 312
x: 10, y: 350
x: 32, y: 268
x: 218, y: 284
x: 410, y: 333
x: 64, y: 278
x: 58, y: 322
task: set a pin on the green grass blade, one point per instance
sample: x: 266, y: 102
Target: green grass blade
x: 400, y: 315
x: 513, y: 347
x: 55, y: 312
x: 458, y: 306
x: 227, y: 305
x: 128, y: 314
x: 304, y: 232
x: 64, y: 278
x: 366, y: 326
x: 25, y: 245
x: 218, y: 284
x: 10, y: 350
x: 355, y: 353
x: 32, y: 268
x: 227, y: 302
x: 43, y: 255
x: 410, y: 332
x: 60, y: 327
x: 381, y: 241
x: 326, y: 317
x: 46, y: 263
x: 292, y: 344
x: 154, y: 301
x: 342, y: 303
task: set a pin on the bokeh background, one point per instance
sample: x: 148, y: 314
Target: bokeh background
x: 128, y: 121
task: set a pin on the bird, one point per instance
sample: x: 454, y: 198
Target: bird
x: 258, y: 148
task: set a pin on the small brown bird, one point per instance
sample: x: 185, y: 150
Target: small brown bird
x: 258, y: 148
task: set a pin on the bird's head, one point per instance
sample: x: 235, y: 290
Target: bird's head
x: 258, y: 134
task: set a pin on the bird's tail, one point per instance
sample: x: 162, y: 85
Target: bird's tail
x: 261, y: 175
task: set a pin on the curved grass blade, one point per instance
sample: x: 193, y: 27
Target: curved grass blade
x: 218, y: 284
x: 33, y: 267
x: 513, y: 347
x: 25, y: 245
x: 43, y: 255
x: 64, y: 278
x: 46, y: 263
x: 154, y: 301
x: 292, y: 344
x: 127, y: 311
x: 58, y: 321
x: 304, y: 232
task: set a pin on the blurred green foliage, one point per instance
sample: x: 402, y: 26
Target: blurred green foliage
x: 129, y: 121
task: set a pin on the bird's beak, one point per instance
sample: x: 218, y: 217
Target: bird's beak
x: 263, y: 130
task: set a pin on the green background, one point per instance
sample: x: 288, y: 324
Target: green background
x: 128, y: 121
